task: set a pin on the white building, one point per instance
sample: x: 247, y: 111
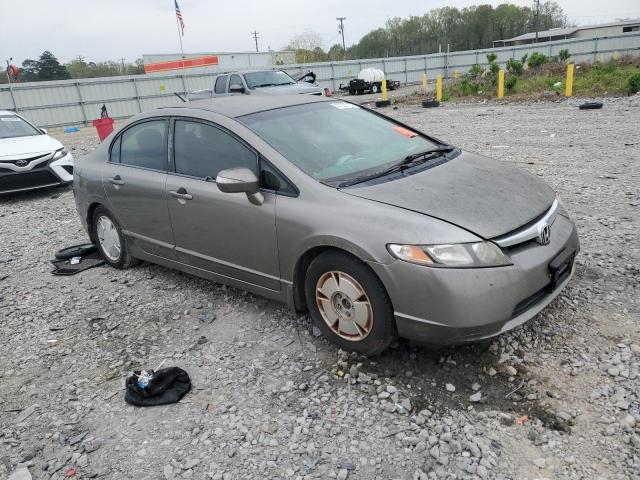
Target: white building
x: 587, y: 31
x: 214, y: 62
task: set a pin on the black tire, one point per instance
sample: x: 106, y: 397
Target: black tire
x: 383, y: 330
x: 75, y: 251
x: 430, y: 103
x: 125, y: 260
x: 590, y: 106
x: 375, y: 88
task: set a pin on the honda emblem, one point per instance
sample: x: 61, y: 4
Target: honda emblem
x: 544, y: 235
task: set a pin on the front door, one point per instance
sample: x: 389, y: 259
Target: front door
x: 219, y: 232
x: 134, y: 180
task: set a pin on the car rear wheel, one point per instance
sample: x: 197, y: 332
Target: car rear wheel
x: 349, y: 304
x: 110, y: 241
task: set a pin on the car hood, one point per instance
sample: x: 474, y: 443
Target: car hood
x: 302, y: 87
x: 25, y: 146
x: 484, y: 196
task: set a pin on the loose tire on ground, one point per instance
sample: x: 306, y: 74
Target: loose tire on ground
x: 75, y: 251
x: 123, y: 259
x: 371, y: 336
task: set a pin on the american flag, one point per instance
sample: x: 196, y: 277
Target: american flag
x: 179, y: 15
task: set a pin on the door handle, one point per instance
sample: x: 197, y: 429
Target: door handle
x: 180, y: 194
x: 116, y: 180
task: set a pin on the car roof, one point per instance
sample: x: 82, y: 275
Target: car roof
x: 7, y: 112
x: 239, y: 105
x: 251, y: 70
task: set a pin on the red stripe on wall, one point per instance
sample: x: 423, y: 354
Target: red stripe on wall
x: 178, y: 64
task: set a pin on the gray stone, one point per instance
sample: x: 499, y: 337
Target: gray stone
x: 21, y: 474
x: 168, y: 472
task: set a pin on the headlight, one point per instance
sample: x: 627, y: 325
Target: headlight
x: 60, y: 154
x: 460, y: 255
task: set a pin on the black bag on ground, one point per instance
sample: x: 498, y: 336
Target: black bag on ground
x: 168, y: 385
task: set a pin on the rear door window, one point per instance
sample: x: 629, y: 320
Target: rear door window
x: 144, y: 145
x: 221, y: 84
x: 235, y: 80
x: 202, y: 150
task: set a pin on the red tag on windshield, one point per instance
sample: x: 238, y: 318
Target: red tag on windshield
x: 405, y: 132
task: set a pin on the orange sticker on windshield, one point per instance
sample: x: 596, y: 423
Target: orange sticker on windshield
x: 405, y: 132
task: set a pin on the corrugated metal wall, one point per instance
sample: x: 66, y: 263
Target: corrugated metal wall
x: 69, y: 102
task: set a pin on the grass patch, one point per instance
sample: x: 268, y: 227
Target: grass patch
x: 616, y: 77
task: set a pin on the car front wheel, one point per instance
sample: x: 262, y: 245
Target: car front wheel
x: 349, y: 304
x: 111, y: 243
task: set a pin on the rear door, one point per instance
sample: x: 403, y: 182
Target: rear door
x: 219, y: 232
x: 134, y: 181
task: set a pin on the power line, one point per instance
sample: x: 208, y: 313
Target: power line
x: 255, y: 37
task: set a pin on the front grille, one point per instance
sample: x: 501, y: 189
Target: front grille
x: 32, y: 179
x: 28, y: 160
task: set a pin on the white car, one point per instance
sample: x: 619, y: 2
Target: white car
x: 29, y: 158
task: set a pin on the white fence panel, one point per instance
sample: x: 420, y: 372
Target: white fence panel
x: 70, y: 102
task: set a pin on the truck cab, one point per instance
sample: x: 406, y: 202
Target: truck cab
x: 273, y: 82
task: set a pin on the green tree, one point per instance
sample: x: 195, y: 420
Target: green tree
x: 470, y: 28
x: 46, y: 67
x: 50, y: 69
x: 335, y: 53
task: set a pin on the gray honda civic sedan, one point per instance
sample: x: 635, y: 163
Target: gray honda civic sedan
x: 375, y: 228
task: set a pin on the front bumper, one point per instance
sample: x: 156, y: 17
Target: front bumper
x: 448, y: 305
x: 40, y: 175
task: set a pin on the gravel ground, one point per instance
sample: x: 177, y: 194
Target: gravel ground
x: 557, y: 398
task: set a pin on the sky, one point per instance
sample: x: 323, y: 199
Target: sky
x: 113, y: 29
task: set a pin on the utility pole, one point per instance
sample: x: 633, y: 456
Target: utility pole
x: 9, y: 68
x: 341, y: 31
x: 81, y: 61
x: 122, y: 63
x: 254, y: 34
x: 537, y: 18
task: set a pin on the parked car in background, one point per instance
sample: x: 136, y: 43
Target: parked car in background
x: 387, y: 232
x: 29, y: 158
x: 276, y: 82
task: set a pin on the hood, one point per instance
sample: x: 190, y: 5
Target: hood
x: 302, y: 87
x: 25, y: 146
x: 484, y: 196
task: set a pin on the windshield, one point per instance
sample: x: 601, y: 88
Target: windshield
x: 335, y: 141
x: 268, y: 78
x: 13, y: 126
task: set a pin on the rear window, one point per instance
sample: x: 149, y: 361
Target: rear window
x: 335, y: 141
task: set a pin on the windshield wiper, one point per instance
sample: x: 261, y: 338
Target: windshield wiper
x: 406, y: 162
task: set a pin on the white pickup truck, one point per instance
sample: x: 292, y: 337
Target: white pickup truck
x: 249, y: 82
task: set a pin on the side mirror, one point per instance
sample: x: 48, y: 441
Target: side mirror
x: 236, y: 89
x: 240, y: 180
x: 44, y: 130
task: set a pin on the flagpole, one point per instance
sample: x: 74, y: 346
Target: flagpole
x: 180, y: 38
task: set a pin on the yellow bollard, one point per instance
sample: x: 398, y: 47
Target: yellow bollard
x: 385, y: 97
x: 568, y: 91
x: 425, y: 84
x: 456, y: 74
x: 500, y: 83
x: 439, y: 88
